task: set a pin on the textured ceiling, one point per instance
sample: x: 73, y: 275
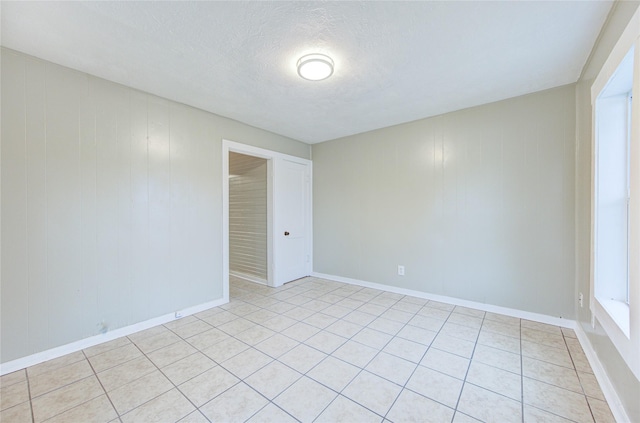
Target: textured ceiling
x: 395, y: 61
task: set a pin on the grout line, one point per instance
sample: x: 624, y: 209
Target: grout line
x: 162, y: 373
x: 593, y: 416
x: 361, y: 369
x: 154, y: 364
x: 60, y: 387
x: 464, y: 381
x: 26, y: 375
x: 95, y: 374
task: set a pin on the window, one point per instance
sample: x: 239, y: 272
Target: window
x: 615, y: 289
x: 613, y: 112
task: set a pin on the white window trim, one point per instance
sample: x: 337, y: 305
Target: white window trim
x: 621, y: 321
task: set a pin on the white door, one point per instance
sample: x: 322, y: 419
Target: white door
x: 292, y: 225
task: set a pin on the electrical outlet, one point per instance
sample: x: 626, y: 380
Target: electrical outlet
x: 581, y: 300
x: 400, y: 270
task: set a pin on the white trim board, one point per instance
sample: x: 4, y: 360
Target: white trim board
x: 536, y: 317
x: 610, y: 394
x: 37, y: 358
x: 601, y: 375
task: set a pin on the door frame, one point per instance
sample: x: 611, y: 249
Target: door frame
x: 272, y: 157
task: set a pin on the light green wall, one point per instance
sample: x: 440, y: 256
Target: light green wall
x: 477, y: 204
x: 111, y: 204
x: 625, y: 383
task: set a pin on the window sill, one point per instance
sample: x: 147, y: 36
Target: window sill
x: 618, y: 311
x: 614, y: 318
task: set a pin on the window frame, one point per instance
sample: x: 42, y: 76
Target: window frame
x: 620, y: 320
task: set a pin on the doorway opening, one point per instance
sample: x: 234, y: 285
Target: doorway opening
x: 248, y: 218
x: 271, y: 245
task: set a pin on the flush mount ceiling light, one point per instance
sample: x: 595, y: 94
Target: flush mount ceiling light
x: 315, y: 67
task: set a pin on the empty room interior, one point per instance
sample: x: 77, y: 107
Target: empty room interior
x: 320, y: 211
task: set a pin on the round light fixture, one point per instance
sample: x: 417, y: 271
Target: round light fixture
x: 315, y: 67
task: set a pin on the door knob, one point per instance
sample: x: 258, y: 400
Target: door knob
x: 286, y: 233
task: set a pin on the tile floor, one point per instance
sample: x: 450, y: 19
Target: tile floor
x: 317, y: 350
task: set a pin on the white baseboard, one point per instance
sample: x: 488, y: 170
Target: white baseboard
x: 542, y: 318
x: 617, y: 409
x: 31, y: 360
